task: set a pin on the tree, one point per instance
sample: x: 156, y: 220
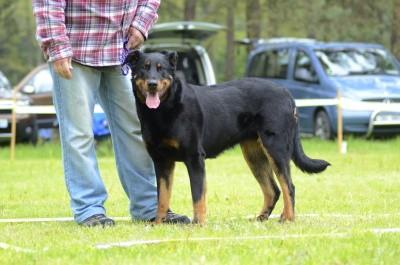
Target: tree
x: 169, y: 11
x: 230, y: 40
x: 253, y: 16
x: 395, y: 36
x: 190, y: 10
x: 19, y: 51
x: 328, y: 20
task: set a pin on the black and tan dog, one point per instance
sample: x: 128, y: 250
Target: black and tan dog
x: 183, y: 122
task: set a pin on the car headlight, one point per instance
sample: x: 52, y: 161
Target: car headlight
x: 387, y: 116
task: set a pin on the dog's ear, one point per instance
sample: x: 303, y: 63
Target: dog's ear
x: 132, y: 58
x: 172, y: 58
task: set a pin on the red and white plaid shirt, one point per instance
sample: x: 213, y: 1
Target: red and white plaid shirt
x: 91, y: 32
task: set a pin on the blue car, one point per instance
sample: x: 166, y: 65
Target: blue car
x: 367, y: 76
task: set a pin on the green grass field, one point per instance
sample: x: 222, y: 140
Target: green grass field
x: 336, y: 213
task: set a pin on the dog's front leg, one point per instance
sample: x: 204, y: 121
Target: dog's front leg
x: 164, y: 173
x: 196, y: 170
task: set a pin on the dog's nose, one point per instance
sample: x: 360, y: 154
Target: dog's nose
x: 152, y: 84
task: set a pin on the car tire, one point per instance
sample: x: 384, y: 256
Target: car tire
x: 322, y: 126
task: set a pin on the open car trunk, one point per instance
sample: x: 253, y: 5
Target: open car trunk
x: 184, y: 37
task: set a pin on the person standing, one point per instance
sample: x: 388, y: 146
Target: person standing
x: 83, y: 42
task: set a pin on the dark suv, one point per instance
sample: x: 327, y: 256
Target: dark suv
x: 367, y: 76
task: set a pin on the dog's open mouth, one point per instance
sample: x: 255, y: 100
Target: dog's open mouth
x: 152, y: 97
x: 152, y: 100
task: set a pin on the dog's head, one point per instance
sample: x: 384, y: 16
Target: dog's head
x: 152, y: 74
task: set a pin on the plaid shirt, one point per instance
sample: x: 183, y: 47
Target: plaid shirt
x: 91, y: 32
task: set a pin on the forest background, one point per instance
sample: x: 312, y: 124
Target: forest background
x: 325, y: 20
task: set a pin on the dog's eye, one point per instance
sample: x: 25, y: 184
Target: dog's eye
x: 147, y: 65
x: 158, y: 67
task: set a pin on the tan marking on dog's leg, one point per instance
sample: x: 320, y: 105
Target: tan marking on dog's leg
x: 259, y: 165
x: 164, y: 197
x: 163, y: 201
x: 200, y: 208
x: 288, y: 209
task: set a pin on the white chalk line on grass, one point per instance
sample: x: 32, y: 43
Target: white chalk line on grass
x: 51, y: 219
x: 200, y: 239
x: 15, y: 248
x: 327, y: 215
x: 376, y: 231
x: 273, y: 216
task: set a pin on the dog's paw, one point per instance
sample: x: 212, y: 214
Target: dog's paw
x: 262, y: 217
x: 198, y: 222
x: 286, y: 218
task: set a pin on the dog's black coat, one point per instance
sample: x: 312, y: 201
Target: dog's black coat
x: 197, y: 122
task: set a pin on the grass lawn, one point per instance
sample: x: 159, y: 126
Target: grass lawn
x: 336, y: 212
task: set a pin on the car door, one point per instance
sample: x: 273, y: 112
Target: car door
x: 271, y: 63
x: 304, y: 83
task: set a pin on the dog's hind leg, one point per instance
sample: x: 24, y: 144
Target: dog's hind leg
x: 164, y: 173
x: 261, y: 168
x: 196, y: 170
x: 278, y: 151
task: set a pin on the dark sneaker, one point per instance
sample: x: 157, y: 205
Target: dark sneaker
x: 174, y: 218
x: 98, y: 220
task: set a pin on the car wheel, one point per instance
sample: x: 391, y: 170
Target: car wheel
x: 322, y: 126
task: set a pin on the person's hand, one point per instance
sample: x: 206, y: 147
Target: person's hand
x: 136, y: 39
x: 63, y: 67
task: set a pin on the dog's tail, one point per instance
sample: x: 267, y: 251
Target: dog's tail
x: 302, y: 161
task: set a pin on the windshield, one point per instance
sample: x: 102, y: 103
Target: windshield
x: 357, y: 62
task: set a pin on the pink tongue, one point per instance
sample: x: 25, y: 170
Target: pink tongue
x: 152, y: 101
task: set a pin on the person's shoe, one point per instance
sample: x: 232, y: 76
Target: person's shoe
x: 174, y: 218
x: 98, y: 220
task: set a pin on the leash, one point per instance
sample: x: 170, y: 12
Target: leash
x: 124, y: 53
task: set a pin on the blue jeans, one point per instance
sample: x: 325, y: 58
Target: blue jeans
x: 74, y: 101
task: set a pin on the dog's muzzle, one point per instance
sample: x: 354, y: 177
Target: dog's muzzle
x: 152, y: 85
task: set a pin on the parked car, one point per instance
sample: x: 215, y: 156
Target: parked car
x: 36, y: 89
x: 25, y: 123
x: 365, y: 74
x: 185, y: 37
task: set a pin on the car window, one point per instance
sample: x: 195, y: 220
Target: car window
x: 191, y: 68
x: 303, y: 68
x: 271, y: 63
x: 356, y: 61
x: 42, y: 81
